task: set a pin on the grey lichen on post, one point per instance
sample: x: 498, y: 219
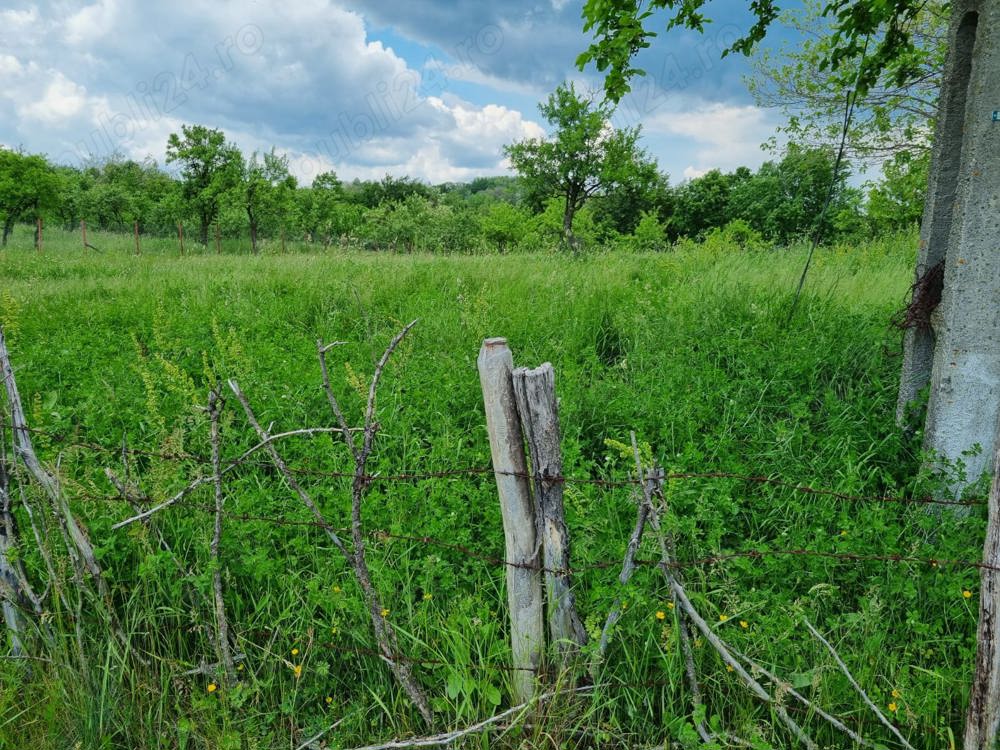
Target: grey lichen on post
x: 538, y: 408
x: 524, y: 584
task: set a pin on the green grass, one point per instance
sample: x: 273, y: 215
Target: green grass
x: 687, y: 348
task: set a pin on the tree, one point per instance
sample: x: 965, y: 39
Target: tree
x: 897, y: 201
x: 266, y: 189
x: 892, y: 117
x: 28, y: 186
x: 583, y: 157
x: 879, y: 35
x: 700, y: 204
x: 503, y: 225
x: 209, y: 166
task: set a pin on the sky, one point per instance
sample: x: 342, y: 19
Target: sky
x: 424, y: 88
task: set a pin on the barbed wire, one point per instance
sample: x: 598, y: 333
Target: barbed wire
x: 455, y: 473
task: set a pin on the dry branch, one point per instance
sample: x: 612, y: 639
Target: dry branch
x: 854, y: 683
x: 215, y: 404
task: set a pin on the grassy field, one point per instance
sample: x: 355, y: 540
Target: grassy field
x: 689, y: 349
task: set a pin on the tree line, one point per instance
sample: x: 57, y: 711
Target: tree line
x: 584, y: 185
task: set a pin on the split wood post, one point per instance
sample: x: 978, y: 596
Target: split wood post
x: 135, y: 227
x: 524, y: 581
x: 83, y: 232
x: 180, y: 236
x: 983, y: 719
x: 535, y: 391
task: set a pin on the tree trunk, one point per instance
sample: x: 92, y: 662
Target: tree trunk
x: 568, y: 235
x: 8, y: 227
x: 206, y: 221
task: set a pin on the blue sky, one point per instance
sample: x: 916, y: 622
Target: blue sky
x: 427, y: 88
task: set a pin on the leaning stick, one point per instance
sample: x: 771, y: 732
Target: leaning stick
x: 855, y: 685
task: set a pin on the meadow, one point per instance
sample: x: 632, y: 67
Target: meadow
x: 689, y: 348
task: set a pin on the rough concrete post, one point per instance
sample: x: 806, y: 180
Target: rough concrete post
x: 524, y: 581
x: 539, y: 410
x: 961, y: 228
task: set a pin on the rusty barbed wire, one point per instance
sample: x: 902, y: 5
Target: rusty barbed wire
x: 455, y: 473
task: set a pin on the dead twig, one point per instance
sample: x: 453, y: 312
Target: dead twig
x: 854, y: 683
x: 215, y: 404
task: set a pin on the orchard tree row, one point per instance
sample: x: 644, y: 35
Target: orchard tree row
x: 586, y: 184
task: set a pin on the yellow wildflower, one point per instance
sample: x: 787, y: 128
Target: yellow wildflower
x: 967, y: 594
x: 385, y: 611
x: 337, y: 589
x: 295, y: 652
x: 661, y: 615
x: 239, y: 667
x: 297, y: 669
x: 723, y: 618
x: 896, y: 693
x: 744, y: 624
x: 212, y: 687
x: 893, y: 707
x: 329, y: 700
x: 670, y: 605
x: 428, y: 596
x: 729, y: 668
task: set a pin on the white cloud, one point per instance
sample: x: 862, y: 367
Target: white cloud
x: 91, y: 23
x: 722, y: 136
x: 62, y: 100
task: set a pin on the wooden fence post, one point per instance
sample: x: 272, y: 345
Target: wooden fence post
x: 524, y: 583
x: 981, y: 724
x: 180, y: 236
x: 83, y: 231
x: 535, y: 391
x: 135, y: 227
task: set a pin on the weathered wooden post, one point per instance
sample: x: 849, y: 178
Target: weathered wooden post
x: 982, y: 721
x: 953, y: 321
x: 524, y: 583
x: 83, y: 232
x: 538, y: 408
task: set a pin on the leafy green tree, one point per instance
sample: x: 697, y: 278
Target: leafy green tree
x: 879, y: 34
x: 266, y: 189
x: 503, y: 225
x: 700, y: 204
x: 29, y: 186
x: 896, y: 201
x: 891, y: 117
x: 785, y: 199
x: 209, y: 167
x: 584, y: 155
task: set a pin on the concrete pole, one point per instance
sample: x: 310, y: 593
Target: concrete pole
x: 959, y: 353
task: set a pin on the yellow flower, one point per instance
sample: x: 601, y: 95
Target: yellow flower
x: 329, y: 700
x: 723, y: 618
x: 297, y: 669
x: 843, y: 533
x: 337, y: 589
x: 385, y: 611
x: 428, y: 596
x: 893, y: 707
x: 661, y: 615
x: 670, y: 605
x: 967, y: 594
x: 729, y: 668
x: 239, y: 667
x: 295, y: 652
x: 333, y: 631
x: 744, y: 624
x: 212, y: 687
x: 896, y: 693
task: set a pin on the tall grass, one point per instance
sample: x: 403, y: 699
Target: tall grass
x: 688, y: 348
